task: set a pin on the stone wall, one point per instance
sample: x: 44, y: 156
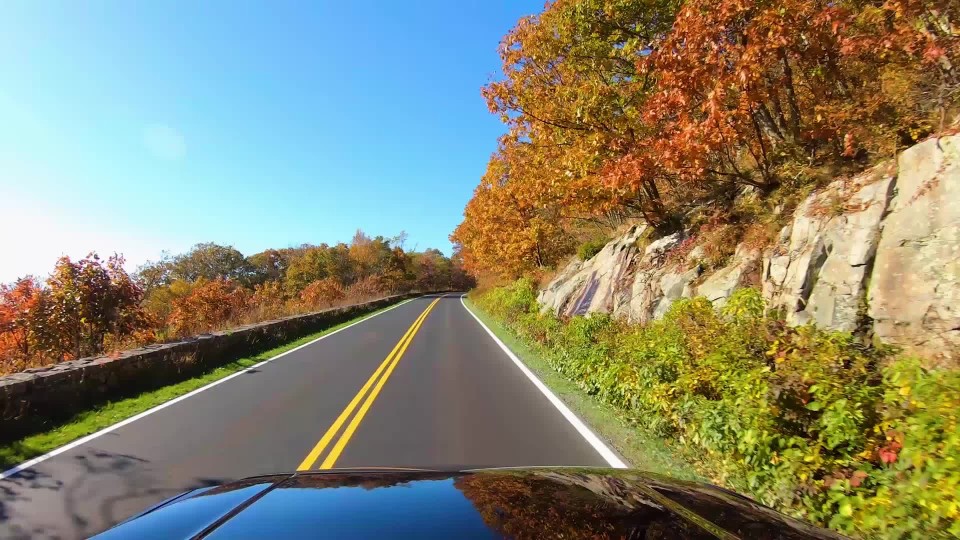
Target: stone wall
x: 34, y: 398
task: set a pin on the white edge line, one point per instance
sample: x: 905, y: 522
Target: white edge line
x: 108, y: 429
x: 575, y: 421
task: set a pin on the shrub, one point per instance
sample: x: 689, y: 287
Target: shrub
x: 587, y: 250
x: 322, y: 293
x: 365, y: 289
x: 511, y: 301
x: 810, y: 422
x: 210, y: 305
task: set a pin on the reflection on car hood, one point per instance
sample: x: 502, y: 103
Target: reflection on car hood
x: 488, y: 503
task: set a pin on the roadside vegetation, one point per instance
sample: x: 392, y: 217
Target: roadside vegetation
x: 715, y: 118
x: 812, y: 423
x: 93, y: 306
x: 82, y: 424
x: 642, y: 449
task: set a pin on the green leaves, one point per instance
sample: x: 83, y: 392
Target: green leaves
x: 804, y: 420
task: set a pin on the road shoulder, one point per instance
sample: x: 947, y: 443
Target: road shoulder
x: 641, y: 451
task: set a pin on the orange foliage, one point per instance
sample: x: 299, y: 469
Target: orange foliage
x: 17, y: 302
x: 268, y: 301
x: 365, y: 289
x: 83, y: 306
x: 209, y: 306
x: 92, y: 306
x: 322, y: 293
x: 654, y: 107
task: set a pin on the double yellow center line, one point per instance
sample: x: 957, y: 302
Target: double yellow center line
x: 385, y: 369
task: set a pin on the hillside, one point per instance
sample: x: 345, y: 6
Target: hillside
x: 874, y: 254
x: 735, y: 223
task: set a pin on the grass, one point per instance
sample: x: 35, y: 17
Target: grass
x: 87, y: 422
x: 641, y: 451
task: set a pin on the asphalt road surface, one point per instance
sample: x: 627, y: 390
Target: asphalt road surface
x: 420, y: 385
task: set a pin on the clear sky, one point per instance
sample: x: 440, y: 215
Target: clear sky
x: 139, y: 127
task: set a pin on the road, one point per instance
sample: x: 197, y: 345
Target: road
x: 420, y: 385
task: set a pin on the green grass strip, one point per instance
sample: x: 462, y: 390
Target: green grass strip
x: 642, y: 451
x: 110, y: 413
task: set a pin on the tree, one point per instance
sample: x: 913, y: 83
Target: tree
x: 87, y: 301
x: 322, y: 293
x: 91, y: 306
x: 505, y: 231
x: 655, y: 108
x: 269, y: 300
x: 268, y: 265
x: 370, y: 256
x: 211, y: 262
x: 20, y: 304
x: 209, y: 305
x: 312, y: 264
x: 573, y: 100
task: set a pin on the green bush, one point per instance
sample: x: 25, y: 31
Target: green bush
x: 588, y: 249
x: 810, y: 422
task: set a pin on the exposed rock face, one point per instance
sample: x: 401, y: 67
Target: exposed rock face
x: 592, y: 285
x: 893, y: 230
x: 622, y: 279
x: 721, y: 284
x: 818, y: 269
x: 915, y: 291
x: 649, y: 276
x: 641, y: 285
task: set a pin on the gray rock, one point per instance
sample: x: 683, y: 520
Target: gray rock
x: 591, y: 285
x: 696, y: 254
x: 915, y: 289
x: 621, y: 279
x: 720, y: 285
x: 673, y: 286
x: 818, y: 269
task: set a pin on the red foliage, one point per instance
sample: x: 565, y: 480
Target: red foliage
x: 210, y: 305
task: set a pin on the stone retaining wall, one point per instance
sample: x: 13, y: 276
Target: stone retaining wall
x: 35, y: 398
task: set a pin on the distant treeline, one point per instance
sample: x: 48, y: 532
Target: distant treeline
x: 92, y: 306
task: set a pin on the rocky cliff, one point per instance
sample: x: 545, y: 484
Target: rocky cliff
x: 878, y: 254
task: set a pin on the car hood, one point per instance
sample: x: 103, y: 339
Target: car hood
x: 519, y: 503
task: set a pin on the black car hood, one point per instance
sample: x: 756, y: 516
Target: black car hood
x: 489, y: 503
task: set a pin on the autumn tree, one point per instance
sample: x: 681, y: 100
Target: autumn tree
x: 746, y: 88
x: 311, y: 264
x: 505, y: 232
x: 322, y: 293
x: 208, y: 261
x: 573, y: 99
x: 87, y: 301
x: 269, y: 300
x: 23, y: 306
x: 268, y: 265
x: 210, y: 305
x: 91, y: 306
x: 370, y: 256
x: 657, y: 108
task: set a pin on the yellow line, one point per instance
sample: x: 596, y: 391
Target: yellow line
x: 314, y: 454
x: 352, y: 426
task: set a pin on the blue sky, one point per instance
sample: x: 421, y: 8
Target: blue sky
x: 140, y: 127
